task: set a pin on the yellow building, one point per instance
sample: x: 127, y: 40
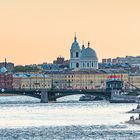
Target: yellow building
x: 134, y: 81
x: 83, y: 79
x: 72, y: 80
x: 31, y: 81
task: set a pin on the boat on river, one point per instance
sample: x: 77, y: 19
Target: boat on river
x: 133, y: 120
x: 118, y: 96
x: 90, y: 98
x: 137, y: 109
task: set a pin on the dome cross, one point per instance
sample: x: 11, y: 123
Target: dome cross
x: 88, y: 44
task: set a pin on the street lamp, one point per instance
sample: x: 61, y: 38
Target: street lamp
x: 69, y: 82
x: 91, y: 82
x: 44, y: 82
x: 36, y: 83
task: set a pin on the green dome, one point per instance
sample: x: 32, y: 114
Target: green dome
x: 88, y: 53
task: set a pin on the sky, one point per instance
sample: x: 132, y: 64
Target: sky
x: 36, y: 31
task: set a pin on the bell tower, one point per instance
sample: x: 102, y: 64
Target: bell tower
x: 75, y: 54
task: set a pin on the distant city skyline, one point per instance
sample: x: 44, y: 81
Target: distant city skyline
x: 33, y: 31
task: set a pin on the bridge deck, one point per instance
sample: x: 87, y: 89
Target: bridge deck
x: 56, y: 93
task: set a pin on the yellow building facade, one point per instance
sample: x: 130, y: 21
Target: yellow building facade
x: 134, y: 81
x: 83, y: 80
x: 25, y: 81
x: 73, y: 80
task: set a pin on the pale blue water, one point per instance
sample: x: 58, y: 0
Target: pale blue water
x: 24, y: 118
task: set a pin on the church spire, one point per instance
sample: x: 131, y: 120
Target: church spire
x: 83, y: 46
x: 88, y: 44
x: 75, y: 38
x: 5, y: 63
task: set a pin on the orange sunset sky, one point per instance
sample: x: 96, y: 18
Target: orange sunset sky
x: 36, y: 31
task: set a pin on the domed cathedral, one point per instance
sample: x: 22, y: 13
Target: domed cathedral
x: 82, y: 59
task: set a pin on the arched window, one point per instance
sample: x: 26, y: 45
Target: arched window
x: 77, y: 54
x: 83, y: 65
x: 71, y: 55
x: 92, y: 64
x: 77, y: 65
x: 87, y: 64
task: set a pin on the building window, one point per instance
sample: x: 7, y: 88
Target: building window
x: 77, y: 54
x: 77, y: 65
x: 87, y: 64
x: 83, y: 65
x: 95, y: 65
x: 92, y: 64
x: 71, y: 55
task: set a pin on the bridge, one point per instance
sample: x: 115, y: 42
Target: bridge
x: 53, y: 94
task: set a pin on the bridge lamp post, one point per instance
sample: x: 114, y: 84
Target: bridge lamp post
x: 56, y: 84
x: 91, y: 82
x: 80, y: 80
x: 44, y: 84
x: 132, y: 82
x: 4, y: 77
x: 36, y: 83
x: 52, y: 86
x: 69, y: 82
x: 30, y: 81
x: 87, y: 81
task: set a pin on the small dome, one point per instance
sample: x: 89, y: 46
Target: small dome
x: 3, y: 70
x: 75, y: 45
x: 88, y: 53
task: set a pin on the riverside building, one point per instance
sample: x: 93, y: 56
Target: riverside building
x: 31, y: 81
x: 134, y: 81
x: 6, y: 79
x: 83, y: 79
x: 72, y: 80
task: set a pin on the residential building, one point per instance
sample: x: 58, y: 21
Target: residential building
x: 31, y: 81
x: 83, y: 79
x: 6, y: 79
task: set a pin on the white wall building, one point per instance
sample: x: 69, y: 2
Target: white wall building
x: 84, y: 58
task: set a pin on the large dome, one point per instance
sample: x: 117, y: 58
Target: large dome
x: 75, y: 45
x: 88, y: 53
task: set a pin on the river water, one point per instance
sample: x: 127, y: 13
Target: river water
x: 25, y: 118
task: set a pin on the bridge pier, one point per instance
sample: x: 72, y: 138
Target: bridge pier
x: 44, y: 96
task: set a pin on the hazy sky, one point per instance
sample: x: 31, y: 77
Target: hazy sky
x: 36, y: 31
